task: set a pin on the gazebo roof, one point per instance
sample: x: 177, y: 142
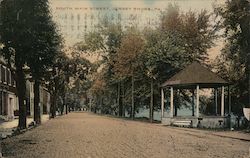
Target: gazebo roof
x: 195, y: 74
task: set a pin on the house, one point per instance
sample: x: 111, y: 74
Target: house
x: 29, y: 97
x: 44, y: 99
x: 8, y: 97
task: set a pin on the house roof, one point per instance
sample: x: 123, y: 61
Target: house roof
x: 195, y: 74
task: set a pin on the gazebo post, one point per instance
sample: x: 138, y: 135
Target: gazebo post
x: 222, y: 101
x: 229, y: 101
x: 162, y: 103
x: 216, y: 101
x: 197, y: 101
x: 229, y: 107
x: 171, y: 102
x: 193, y: 102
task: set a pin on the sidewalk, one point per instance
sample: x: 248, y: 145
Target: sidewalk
x: 234, y: 135
x: 240, y: 135
x: 6, y: 128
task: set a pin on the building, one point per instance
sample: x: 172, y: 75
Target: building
x: 75, y: 22
x: 8, y: 98
x: 44, y: 99
x: 76, y: 17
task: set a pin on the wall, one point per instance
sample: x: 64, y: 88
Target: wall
x: 8, y: 98
x: 201, y: 122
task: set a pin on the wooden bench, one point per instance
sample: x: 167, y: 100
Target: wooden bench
x: 183, y: 123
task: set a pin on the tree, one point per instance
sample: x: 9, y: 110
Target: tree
x: 78, y: 69
x: 194, y: 31
x: 144, y: 60
x: 236, y: 23
x: 45, y: 42
x: 163, y: 56
x: 105, y: 41
x: 128, y: 59
x: 13, y: 30
x: 180, y: 39
x: 55, y: 79
x: 29, y: 20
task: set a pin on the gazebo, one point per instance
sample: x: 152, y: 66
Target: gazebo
x: 194, y: 77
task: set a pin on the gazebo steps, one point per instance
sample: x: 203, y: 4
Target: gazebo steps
x: 183, y: 123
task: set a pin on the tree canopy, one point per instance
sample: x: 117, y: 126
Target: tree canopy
x: 234, y: 62
x: 134, y: 59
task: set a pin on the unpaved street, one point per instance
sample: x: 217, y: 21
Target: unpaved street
x: 91, y: 136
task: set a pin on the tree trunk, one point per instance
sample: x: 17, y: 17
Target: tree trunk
x: 21, y: 89
x: 66, y: 105
x: 175, y: 110
x: 177, y: 94
x: 123, y: 98
x: 67, y: 110
x: 132, y: 99
x: 244, y: 26
x: 62, y: 109
x: 151, y: 109
x: 63, y: 104
x: 119, y: 99
x: 176, y: 102
x: 53, y: 106
x: 37, y: 114
x: 55, y: 95
x: 248, y: 77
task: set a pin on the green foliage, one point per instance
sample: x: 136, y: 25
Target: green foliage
x: 128, y: 58
x: 150, y: 54
x: 193, y: 31
x: 180, y: 39
x: 44, y: 39
x: 235, y: 57
x: 12, y: 31
x: 104, y: 41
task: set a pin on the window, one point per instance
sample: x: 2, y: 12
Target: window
x: 1, y: 103
x: 78, y: 17
x: 7, y: 76
x: 12, y: 80
x: 31, y: 87
x: 119, y: 17
x: 5, y: 79
x: 3, y: 74
x: 0, y: 73
x: 78, y: 36
x: 112, y: 17
x: 10, y: 76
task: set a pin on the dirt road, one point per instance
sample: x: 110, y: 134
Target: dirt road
x: 90, y: 136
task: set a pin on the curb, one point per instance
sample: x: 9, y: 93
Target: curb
x: 224, y: 136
